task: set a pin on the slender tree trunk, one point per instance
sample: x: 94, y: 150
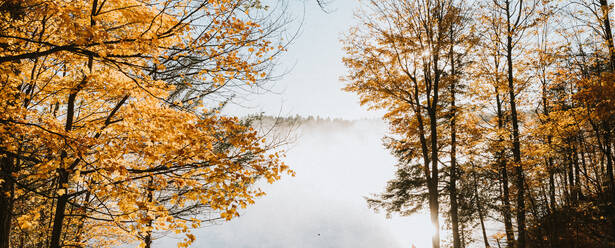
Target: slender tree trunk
x: 577, y: 174
x: 63, y: 171
x: 609, y: 163
x: 432, y: 187
x: 549, y: 160
x: 606, y: 23
x: 453, y: 154
x: 552, y: 185
x: 463, y: 236
x: 531, y: 199
x: 434, y: 208
x: 506, y: 212
x: 6, y: 199
x: 150, y: 197
x: 479, y: 208
x: 520, y: 180
x: 545, y: 198
x: 148, y: 239
x: 586, y: 173
x: 58, y: 219
x: 564, y: 179
x: 482, y: 227
x: 572, y: 184
x: 434, y: 205
x: 434, y: 212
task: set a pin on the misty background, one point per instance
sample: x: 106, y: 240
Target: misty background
x: 337, y: 163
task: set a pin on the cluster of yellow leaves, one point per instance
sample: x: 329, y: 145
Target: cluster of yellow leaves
x: 82, y: 94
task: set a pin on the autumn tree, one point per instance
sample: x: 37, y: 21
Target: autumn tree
x: 511, y: 22
x: 596, y: 83
x: 104, y: 124
x: 399, y: 61
x: 536, y: 123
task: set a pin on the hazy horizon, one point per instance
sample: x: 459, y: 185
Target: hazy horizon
x: 337, y: 164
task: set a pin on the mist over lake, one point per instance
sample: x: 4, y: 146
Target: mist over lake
x: 337, y: 164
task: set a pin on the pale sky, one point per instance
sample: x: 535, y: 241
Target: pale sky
x: 314, y: 61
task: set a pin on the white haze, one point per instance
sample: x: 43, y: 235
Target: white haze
x: 336, y: 165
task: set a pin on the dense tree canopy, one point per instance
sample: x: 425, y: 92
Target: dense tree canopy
x: 519, y: 94
x: 106, y: 136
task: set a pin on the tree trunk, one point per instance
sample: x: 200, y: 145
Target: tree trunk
x: 609, y: 164
x: 564, y: 179
x: 549, y: 160
x: 551, y: 185
x: 59, y: 215
x: 434, y: 212
x: 506, y: 212
x: 520, y: 180
x: 432, y: 187
x: 479, y: 208
x: 150, y: 197
x: 572, y: 184
x: 453, y: 154
x: 63, y: 171
x: 434, y: 208
x: 606, y: 24
x: 463, y: 236
x: 577, y: 174
x: 6, y: 200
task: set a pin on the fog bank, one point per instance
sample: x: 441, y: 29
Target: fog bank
x: 337, y: 163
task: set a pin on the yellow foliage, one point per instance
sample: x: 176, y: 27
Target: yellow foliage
x: 88, y: 102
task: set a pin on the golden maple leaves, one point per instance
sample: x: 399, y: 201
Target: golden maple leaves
x: 87, y: 88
